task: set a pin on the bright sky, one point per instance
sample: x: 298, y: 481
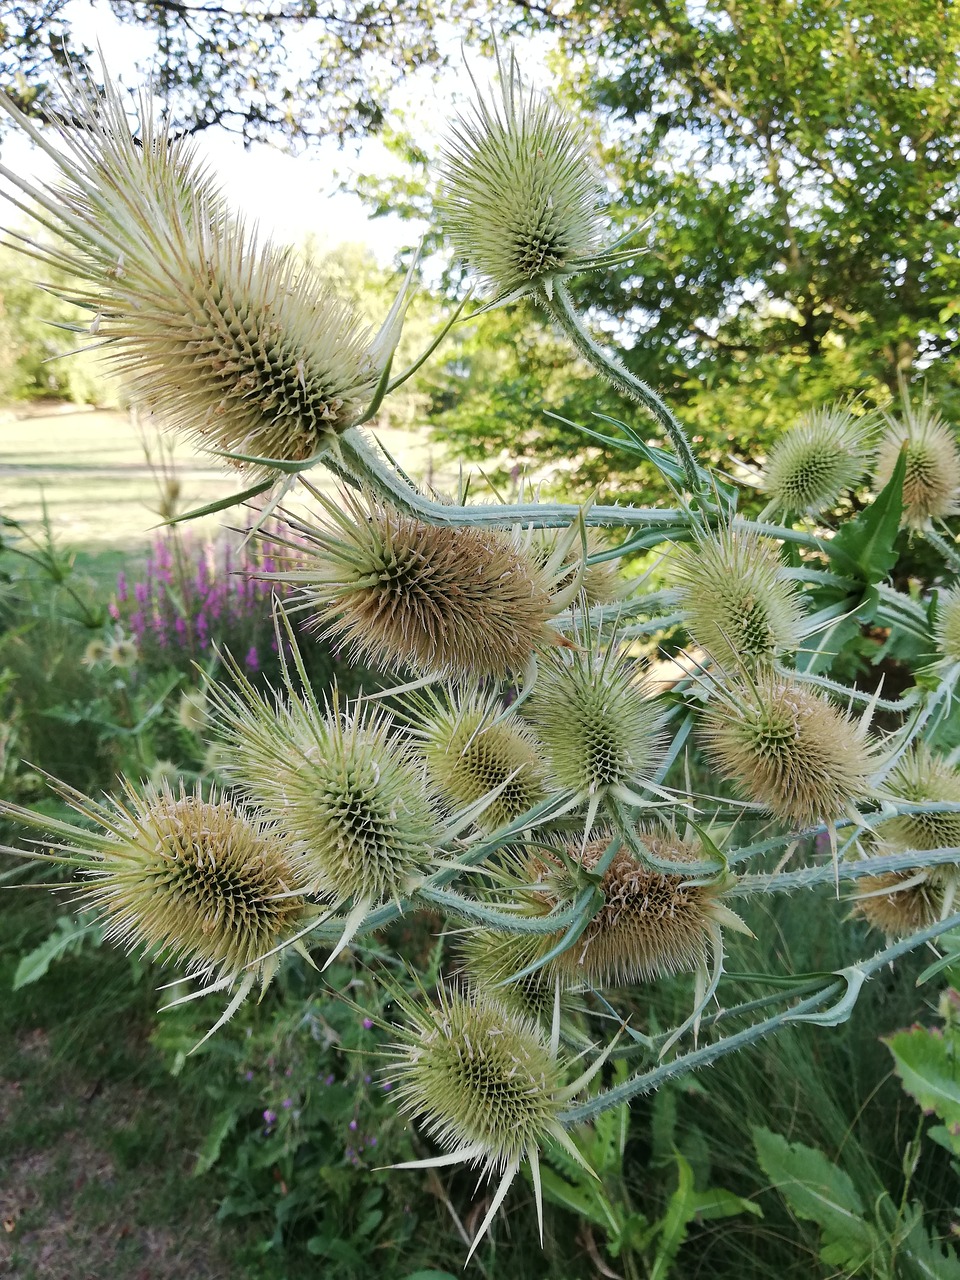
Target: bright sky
x: 290, y: 196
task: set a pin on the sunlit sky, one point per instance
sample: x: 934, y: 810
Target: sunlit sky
x: 291, y: 197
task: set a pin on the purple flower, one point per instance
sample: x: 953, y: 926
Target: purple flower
x: 330, y: 1079
x: 251, y: 661
x: 248, y: 1076
x: 352, y: 1126
x: 287, y: 1103
x: 367, y: 1024
x: 141, y: 592
x: 269, y: 1117
x: 386, y: 1086
x: 122, y: 587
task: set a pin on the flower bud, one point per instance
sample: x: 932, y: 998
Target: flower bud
x: 898, y: 902
x: 931, y: 485
x: 920, y: 777
x: 811, y: 465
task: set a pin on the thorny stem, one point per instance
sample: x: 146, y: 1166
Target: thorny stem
x: 804, y: 1010
x: 950, y: 554
x: 560, y: 308
x: 807, y: 877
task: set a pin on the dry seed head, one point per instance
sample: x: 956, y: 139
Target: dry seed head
x: 471, y: 750
x: 480, y: 1079
x: 920, y: 777
x: 597, y: 721
x: 898, y: 902
x: 445, y: 602
x: 650, y: 924
x: 931, y: 485
x: 813, y: 463
x: 787, y: 748
x: 225, y: 339
x: 739, y: 605
x: 200, y: 882
x: 948, y: 624
x: 347, y: 791
x: 519, y: 193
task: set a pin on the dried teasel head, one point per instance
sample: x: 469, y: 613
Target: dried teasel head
x: 519, y: 192
x: 227, y: 340
x: 931, y: 484
x: 899, y: 902
x: 473, y: 749
x: 651, y: 923
x: 203, y: 883
x: 444, y: 601
x: 787, y: 748
x: 739, y: 605
x: 824, y: 454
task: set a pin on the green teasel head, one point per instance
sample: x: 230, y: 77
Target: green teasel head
x: 813, y: 463
x: 738, y: 602
x: 920, y: 777
x: 947, y: 626
x: 931, y: 484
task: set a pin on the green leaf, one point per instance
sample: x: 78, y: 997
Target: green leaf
x: 224, y: 1125
x: 70, y: 933
x: 864, y: 546
x: 927, y: 1259
x: 928, y: 1064
x: 429, y: 1275
x: 716, y: 1202
x: 579, y: 1200
x: 680, y: 1210
x: 816, y: 1190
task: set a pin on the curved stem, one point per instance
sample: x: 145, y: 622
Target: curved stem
x: 560, y: 308
x: 510, y: 922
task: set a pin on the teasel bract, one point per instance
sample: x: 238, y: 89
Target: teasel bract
x: 739, y: 604
x: 811, y: 465
x: 208, y: 884
x: 947, y: 626
x: 225, y: 338
x: 445, y: 601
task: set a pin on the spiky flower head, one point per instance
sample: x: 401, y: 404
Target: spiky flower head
x: 600, y: 583
x: 820, y: 457
x: 122, y: 652
x: 787, y: 748
x: 899, y: 902
x: 931, y: 485
x: 739, y: 605
x: 947, y: 627
x: 491, y: 959
x: 519, y: 193
x: 920, y: 777
x: 225, y: 338
x: 485, y: 1084
x: 472, y: 748
x: 444, y: 601
x: 597, y: 721
x: 651, y: 924
x: 345, y: 788
x: 203, y: 883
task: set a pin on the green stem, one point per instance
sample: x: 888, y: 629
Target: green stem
x: 842, y: 690
x: 807, y: 877
x: 560, y: 308
x: 647, y: 1081
x: 510, y: 922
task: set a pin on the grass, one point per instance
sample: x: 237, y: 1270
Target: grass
x: 87, y: 465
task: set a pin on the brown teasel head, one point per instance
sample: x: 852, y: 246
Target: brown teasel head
x: 899, y: 902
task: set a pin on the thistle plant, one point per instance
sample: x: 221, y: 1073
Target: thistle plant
x: 526, y: 773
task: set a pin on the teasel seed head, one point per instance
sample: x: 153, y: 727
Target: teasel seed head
x: 226, y: 339
x: 489, y: 959
x: 343, y: 785
x: 446, y: 602
x: 597, y: 721
x: 519, y: 193
x: 899, y: 902
x: 202, y: 883
x: 947, y: 627
x: 740, y: 606
x: 816, y: 460
x: 600, y: 583
x: 920, y: 777
x: 931, y: 485
x: 650, y: 925
x: 486, y: 1084
x: 787, y: 748
x: 472, y: 748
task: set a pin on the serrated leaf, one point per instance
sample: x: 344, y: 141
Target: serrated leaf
x: 70, y: 933
x: 928, y: 1065
x: 864, y: 546
x: 716, y: 1202
x: 816, y: 1190
x: 679, y: 1212
x: 209, y: 1154
x: 927, y: 1259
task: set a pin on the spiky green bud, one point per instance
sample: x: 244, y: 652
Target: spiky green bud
x: 471, y: 749
x: 490, y: 960
x: 820, y: 457
x: 931, y: 485
x: 519, y: 193
x: 443, y: 601
x: 347, y: 790
x: 947, y: 627
x: 226, y: 339
x: 739, y: 605
x: 920, y: 777
x: 789, y: 749
x: 597, y: 721
x: 600, y: 583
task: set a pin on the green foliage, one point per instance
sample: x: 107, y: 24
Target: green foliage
x: 927, y: 1062
x: 70, y: 933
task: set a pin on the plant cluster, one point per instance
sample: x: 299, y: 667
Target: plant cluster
x: 583, y: 824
